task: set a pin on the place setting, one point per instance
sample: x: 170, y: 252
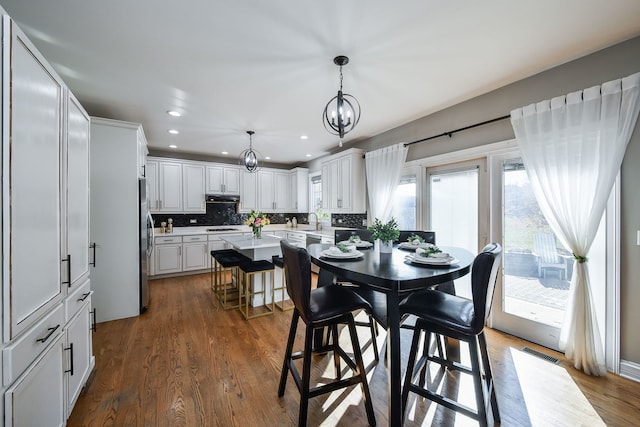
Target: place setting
x: 415, y: 242
x: 357, y: 242
x: 432, y: 257
x: 342, y: 251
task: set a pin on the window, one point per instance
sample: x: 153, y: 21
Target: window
x: 315, y: 193
x: 405, y: 203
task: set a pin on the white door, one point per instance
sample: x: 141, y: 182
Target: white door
x: 193, y: 188
x: 231, y: 180
x: 31, y: 185
x: 194, y: 256
x: 78, y: 349
x: 214, y: 180
x: 266, y: 201
x: 168, y: 258
x: 151, y: 171
x: 170, y: 187
x: 282, y: 191
x: 77, y: 190
x: 532, y: 294
x: 248, y: 192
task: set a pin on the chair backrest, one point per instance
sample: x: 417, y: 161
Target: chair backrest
x: 544, y: 245
x: 341, y: 235
x: 428, y: 236
x: 484, y: 274
x: 297, y: 268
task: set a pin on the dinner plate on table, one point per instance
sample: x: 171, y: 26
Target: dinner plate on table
x: 432, y: 261
x: 337, y: 254
x: 411, y: 247
x: 362, y: 244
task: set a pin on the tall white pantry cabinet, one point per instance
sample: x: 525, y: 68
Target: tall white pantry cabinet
x: 47, y: 351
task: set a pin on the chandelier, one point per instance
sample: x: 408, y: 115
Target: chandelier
x: 342, y: 112
x: 249, y: 157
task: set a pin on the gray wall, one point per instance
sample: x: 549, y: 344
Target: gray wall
x: 614, y: 62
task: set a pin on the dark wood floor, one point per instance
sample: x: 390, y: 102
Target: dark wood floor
x: 187, y: 362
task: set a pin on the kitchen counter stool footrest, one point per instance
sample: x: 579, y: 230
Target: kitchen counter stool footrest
x: 227, y: 291
x: 249, y: 291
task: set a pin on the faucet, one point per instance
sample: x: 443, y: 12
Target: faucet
x: 317, y: 222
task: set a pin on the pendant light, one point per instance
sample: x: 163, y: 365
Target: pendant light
x: 249, y: 158
x: 342, y: 112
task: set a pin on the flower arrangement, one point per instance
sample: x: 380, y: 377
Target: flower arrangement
x: 388, y: 232
x: 257, y: 220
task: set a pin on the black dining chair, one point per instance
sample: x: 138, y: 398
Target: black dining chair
x: 459, y: 318
x: 342, y: 235
x: 323, y: 307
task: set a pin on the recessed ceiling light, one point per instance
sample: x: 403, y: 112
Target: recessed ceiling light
x: 307, y: 155
x: 173, y: 131
x: 304, y: 137
x: 225, y: 152
x: 173, y: 146
x: 267, y: 158
x: 174, y: 113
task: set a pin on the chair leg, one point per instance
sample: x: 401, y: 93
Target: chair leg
x: 357, y: 353
x: 306, y: 376
x: 477, y: 381
x: 336, y: 355
x: 425, y: 353
x: 408, y: 376
x: 373, y: 325
x: 482, y: 340
x: 287, y: 354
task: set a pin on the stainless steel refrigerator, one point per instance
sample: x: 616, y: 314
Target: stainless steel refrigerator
x: 146, y: 243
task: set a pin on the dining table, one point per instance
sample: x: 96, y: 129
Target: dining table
x: 394, y: 276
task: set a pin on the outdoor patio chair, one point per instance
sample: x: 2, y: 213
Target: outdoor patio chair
x: 544, y: 247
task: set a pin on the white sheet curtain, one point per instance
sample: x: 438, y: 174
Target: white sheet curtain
x: 572, y: 147
x: 383, y: 168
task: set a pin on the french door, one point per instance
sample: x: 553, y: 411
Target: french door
x: 533, y: 290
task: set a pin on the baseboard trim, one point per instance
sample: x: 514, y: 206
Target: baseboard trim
x: 630, y: 370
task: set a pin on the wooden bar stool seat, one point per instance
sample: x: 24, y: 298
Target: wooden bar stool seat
x: 250, y: 295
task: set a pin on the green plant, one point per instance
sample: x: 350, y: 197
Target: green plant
x: 385, y: 232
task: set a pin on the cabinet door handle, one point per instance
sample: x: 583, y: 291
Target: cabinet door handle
x: 51, y: 331
x: 84, y: 296
x: 70, y: 349
x: 144, y: 171
x: 68, y: 261
x: 93, y: 322
x: 93, y: 247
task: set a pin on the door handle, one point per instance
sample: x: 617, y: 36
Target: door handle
x: 70, y: 349
x: 51, y: 331
x: 68, y: 261
x: 93, y: 246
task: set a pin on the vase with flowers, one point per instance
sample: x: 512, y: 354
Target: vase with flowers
x: 257, y: 220
x: 386, y: 233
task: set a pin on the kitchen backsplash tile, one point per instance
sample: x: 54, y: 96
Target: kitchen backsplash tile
x: 225, y: 214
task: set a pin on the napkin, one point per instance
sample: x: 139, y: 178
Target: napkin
x: 441, y: 255
x: 333, y: 250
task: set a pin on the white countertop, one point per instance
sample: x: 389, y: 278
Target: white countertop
x: 241, y: 228
x: 248, y: 242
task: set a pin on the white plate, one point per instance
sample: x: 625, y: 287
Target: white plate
x: 341, y: 255
x: 411, y: 246
x: 360, y: 244
x: 432, y: 261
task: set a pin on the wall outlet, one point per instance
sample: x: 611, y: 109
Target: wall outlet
x: 638, y: 238
x: 193, y: 221
x: 339, y: 220
x: 364, y: 222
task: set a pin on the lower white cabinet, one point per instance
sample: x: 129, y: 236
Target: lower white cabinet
x: 195, y: 253
x: 78, y: 353
x: 36, y: 398
x: 168, y: 258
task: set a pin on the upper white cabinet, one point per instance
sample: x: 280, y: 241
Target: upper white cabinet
x: 151, y: 173
x: 223, y: 180
x: 273, y: 190
x: 299, y: 193
x: 170, y: 187
x: 143, y: 151
x: 193, y: 188
x: 78, y: 123
x: 343, y: 183
x: 33, y: 141
x: 248, y: 191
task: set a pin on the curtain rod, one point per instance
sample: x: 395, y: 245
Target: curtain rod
x: 451, y: 132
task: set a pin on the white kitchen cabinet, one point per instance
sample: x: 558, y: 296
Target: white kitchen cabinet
x: 273, y: 191
x: 299, y: 190
x: 77, y: 217
x: 193, y: 188
x: 143, y: 151
x: 195, y: 252
x: 78, y: 352
x: 168, y: 255
x: 31, y: 184
x: 153, y: 198
x: 170, y: 187
x: 223, y: 180
x: 248, y: 192
x: 343, y: 183
x: 37, y: 397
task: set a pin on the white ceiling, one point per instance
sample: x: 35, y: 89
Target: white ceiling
x: 268, y: 65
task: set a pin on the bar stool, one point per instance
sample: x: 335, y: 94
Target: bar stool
x: 284, y: 303
x: 214, y: 266
x: 248, y: 270
x: 228, y: 292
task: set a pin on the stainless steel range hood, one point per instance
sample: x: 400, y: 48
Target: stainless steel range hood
x: 222, y: 198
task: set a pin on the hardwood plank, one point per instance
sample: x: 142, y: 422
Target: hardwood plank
x: 188, y: 362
